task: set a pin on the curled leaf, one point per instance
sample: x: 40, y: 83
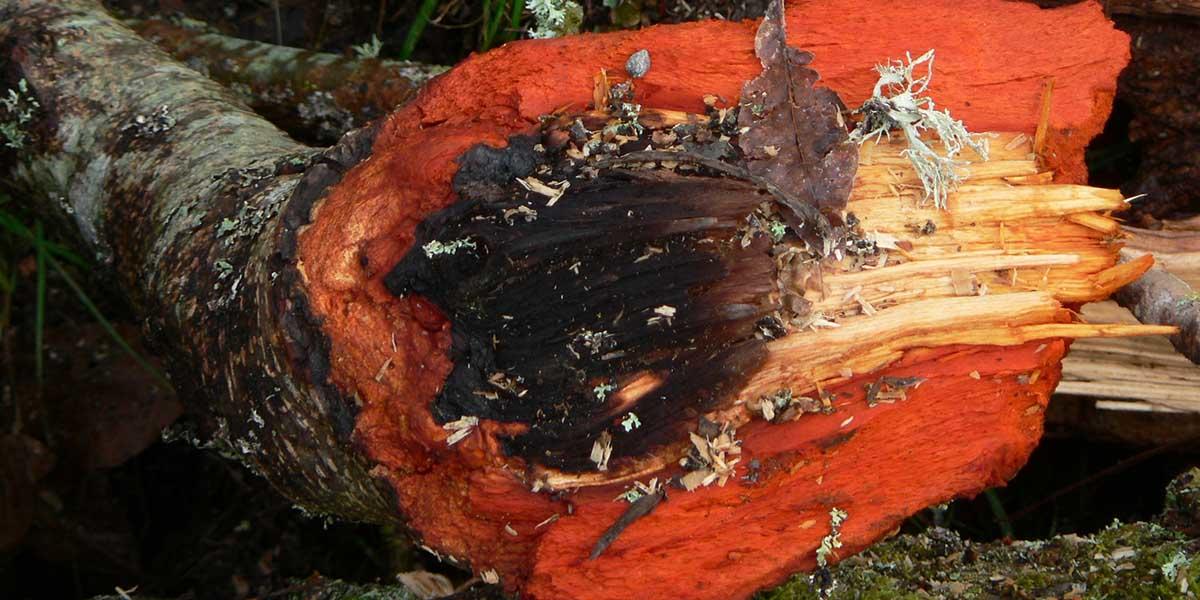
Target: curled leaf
x: 794, y: 135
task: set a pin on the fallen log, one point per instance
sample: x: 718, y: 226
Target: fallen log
x: 314, y: 96
x: 309, y: 306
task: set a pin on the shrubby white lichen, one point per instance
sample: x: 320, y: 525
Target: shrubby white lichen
x: 436, y: 247
x: 833, y: 541
x: 897, y: 102
x: 1179, y: 563
x: 17, y: 112
x: 369, y: 48
x: 601, y: 391
x: 631, y: 422
x: 554, y: 18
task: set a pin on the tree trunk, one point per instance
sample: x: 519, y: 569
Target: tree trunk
x: 192, y: 202
x: 314, y: 96
x: 332, y: 317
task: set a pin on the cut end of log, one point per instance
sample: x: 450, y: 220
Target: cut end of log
x: 910, y: 372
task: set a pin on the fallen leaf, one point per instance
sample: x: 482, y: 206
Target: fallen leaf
x: 794, y: 136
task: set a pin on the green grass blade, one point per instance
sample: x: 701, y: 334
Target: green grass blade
x: 12, y: 225
x: 486, y: 30
x: 106, y: 325
x: 514, y: 20
x: 417, y: 28
x: 39, y: 315
x: 998, y: 513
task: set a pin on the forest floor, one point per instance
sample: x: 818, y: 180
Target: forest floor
x: 100, y: 500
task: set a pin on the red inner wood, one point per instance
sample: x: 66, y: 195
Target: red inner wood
x: 954, y: 436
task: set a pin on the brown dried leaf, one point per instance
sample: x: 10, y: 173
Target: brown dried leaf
x: 796, y: 138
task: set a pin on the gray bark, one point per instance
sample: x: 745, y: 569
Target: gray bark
x: 313, y: 96
x: 192, y: 202
x: 1160, y: 298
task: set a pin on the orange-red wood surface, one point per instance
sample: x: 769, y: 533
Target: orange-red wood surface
x: 954, y: 435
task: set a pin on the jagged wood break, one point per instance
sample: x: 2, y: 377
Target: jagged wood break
x: 636, y: 298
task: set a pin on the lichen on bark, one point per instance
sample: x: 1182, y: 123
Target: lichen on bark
x: 192, y: 201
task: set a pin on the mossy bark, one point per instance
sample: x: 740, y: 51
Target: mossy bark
x: 192, y: 202
x: 314, y: 96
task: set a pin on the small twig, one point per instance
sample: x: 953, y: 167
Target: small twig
x: 640, y: 508
x: 1043, y: 127
x: 1158, y: 297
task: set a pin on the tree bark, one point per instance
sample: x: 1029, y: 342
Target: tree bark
x: 1160, y: 297
x: 314, y: 96
x: 192, y: 202
x: 309, y: 310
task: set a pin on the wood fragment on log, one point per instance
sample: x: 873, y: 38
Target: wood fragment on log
x: 346, y: 378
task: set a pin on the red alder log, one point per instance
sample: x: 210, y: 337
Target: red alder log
x: 321, y: 326
x: 970, y: 426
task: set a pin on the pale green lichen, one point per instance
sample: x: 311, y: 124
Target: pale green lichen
x: 631, y: 422
x: 897, y: 102
x: 369, y: 48
x: 224, y: 268
x: 554, y: 18
x: 18, y: 107
x: 601, y: 391
x: 638, y: 490
x: 631, y: 495
x: 1179, y: 563
x: 777, y: 229
x: 1189, y: 299
x: 833, y: 541
x: 438, y: 248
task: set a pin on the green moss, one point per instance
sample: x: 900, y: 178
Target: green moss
x: 341, y: 590
x: 1135, y: 561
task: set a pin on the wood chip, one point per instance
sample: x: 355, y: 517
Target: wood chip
x: 461, y: 427
x: 426, y: 585
x: 552, y: 518
x: 383, y: 369
x: 602, y: 451
x: 553, y: 191
x: 963, y: 282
